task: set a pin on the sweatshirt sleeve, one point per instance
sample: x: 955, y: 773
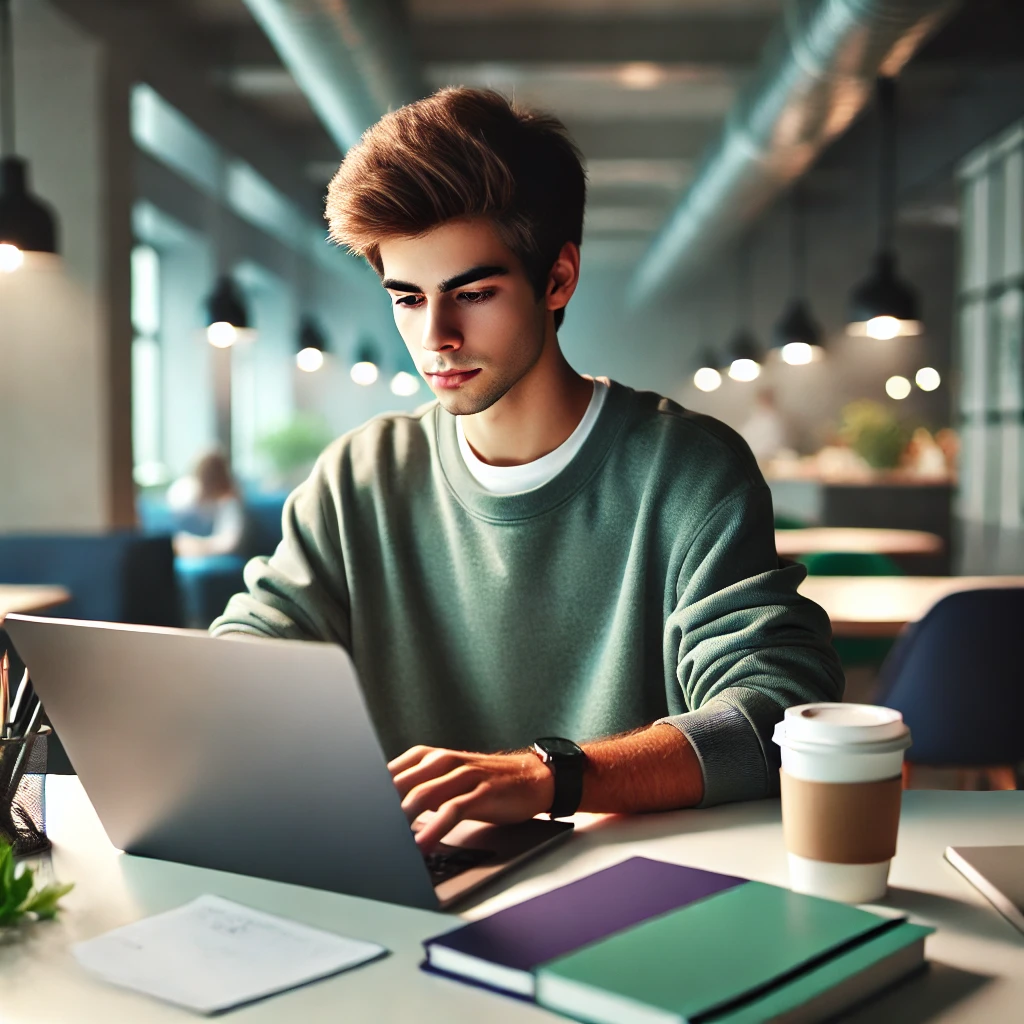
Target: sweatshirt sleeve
x: 749, y: 646
x: 300, y: 592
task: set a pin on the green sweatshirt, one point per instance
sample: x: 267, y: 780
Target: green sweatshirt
x: 639, y: 584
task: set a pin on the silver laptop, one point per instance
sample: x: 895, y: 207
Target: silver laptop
x: 248, y: 755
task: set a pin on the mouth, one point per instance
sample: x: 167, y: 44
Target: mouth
x: 451, y: 379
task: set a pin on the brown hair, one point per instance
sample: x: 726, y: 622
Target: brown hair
x: 214, y: 476
x: 462, y: 153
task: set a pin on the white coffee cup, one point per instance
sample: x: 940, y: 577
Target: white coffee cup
x: 841, y: 785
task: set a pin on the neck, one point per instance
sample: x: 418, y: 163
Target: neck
x: 535, y: 416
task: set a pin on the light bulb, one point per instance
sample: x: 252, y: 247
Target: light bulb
x: 222, y: 334
x: 797, y: 353
x: 640, y: 75
x: 404, y: 384
x: 309, y: 359
x: 745, y: 369
x: 897, y: 387
x: 365, y: 373
x: 707, y: 378
x: 11, y: 257
x: 883, y: 327
x: 927, y: 378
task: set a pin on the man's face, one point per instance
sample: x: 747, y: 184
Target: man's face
x: 466, y: 311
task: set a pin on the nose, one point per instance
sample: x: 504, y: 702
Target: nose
x: 440, y: 330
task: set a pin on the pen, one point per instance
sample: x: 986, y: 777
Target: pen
x: 22, y: 696
x: 5, y: 694
x: 33, y: 721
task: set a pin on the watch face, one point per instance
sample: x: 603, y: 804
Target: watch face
x: 555, y: 746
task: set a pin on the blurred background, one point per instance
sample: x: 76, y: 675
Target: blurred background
x: 805, y: 218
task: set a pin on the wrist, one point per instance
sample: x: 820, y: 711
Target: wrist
x: 542, y: 781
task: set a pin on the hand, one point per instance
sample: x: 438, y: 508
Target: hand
x: 459, y: 785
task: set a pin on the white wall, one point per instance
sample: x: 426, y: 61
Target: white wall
x: 54, y: 472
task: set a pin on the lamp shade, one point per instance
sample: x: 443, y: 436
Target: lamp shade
x: 310, y: 335
x: 885, y: 300
x: 226, y: 305
x: 25, y: 221
x: 745, y: 346
x: 796, y: 326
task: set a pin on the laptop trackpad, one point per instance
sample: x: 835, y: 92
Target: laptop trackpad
x: 506, y: 845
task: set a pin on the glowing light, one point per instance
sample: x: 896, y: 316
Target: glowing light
x: 707, y: 378
x: 745, y: 370
x: 309, y: 359
x: 897, y: 387
x: 222, y: 334
x: 365, y: 373
x: 404, y: 384
x: 640, y: 75
x: 884, y: 328
x: 797, y: 353
x: 11, y: 257
x: 927, y: 378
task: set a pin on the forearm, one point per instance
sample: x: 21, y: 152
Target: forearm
x: 654, y: 769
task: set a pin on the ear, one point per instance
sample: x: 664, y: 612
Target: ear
x: 563, y: 277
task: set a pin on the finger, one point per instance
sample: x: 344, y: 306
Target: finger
x: 448, y: 816
x: 433, y: 766
x: 412, y: 756
x: 428, y: 796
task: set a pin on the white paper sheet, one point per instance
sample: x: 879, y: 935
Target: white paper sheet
x: 212, y: 954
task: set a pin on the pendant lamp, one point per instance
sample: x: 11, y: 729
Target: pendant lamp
x: 406, y: 381
x: 707, y: 376
x: 311, y: 346
x: 744, y: 352
x: 883, y: 305
x: 797, y: 335
x: 27, y: 224
x: 227, y: 313
x: 365, y: 369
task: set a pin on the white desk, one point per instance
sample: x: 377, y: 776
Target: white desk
x: 978, y: 959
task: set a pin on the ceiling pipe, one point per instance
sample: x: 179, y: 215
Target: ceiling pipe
x: 817, y: 73
x: 351, y: 58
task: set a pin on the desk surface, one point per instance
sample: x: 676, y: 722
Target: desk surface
x: 18, y: 597
x: 862, y: 540
x: 881, y: 606
x: 977, y: 972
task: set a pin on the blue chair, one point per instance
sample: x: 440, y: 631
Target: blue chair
x: 956, y: 678
x: 207, y: 583
x: 120, y: 576
x: 113, y: 577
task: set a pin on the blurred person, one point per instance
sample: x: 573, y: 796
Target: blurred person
x: 765, y: 430
x: 536, y: 557
x: 211, y: 502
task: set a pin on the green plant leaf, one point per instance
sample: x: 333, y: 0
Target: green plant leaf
x: 17, y: 893
x: 44, y: 902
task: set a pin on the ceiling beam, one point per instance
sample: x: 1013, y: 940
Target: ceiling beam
x: 732, y: 42
x: 661, y: 139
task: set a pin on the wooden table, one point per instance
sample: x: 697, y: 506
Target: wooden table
x: 861, y: 540
x: 27, y: 598
x: 977, y: 958
x: 880, y: 606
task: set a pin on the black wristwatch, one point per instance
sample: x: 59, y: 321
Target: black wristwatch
x: 566, y: 761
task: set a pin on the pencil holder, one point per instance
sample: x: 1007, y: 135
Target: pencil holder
x: 22, y: 797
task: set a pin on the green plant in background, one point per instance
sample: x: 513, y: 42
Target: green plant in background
x: 296, y: 445
x: 874, y: 433
x: 19, y: 897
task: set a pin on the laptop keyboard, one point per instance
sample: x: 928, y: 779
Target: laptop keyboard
x: 448, y: 861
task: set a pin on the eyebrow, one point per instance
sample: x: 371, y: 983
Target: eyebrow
x: 466, y: 277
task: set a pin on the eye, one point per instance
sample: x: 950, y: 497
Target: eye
x: 478, y: 296
x: 409, y: 301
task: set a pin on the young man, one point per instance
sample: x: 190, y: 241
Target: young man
x: 537, y: 554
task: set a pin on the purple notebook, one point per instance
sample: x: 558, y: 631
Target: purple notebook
x: 502, y: 951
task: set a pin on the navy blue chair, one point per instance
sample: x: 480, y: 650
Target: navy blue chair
x: 956, y: 678
x: 121, y: 576
x: 113, y: 577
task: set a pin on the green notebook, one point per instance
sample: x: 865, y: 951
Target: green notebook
x: 747, y: 954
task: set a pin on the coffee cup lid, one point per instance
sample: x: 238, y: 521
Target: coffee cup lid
x: 840, y: 724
